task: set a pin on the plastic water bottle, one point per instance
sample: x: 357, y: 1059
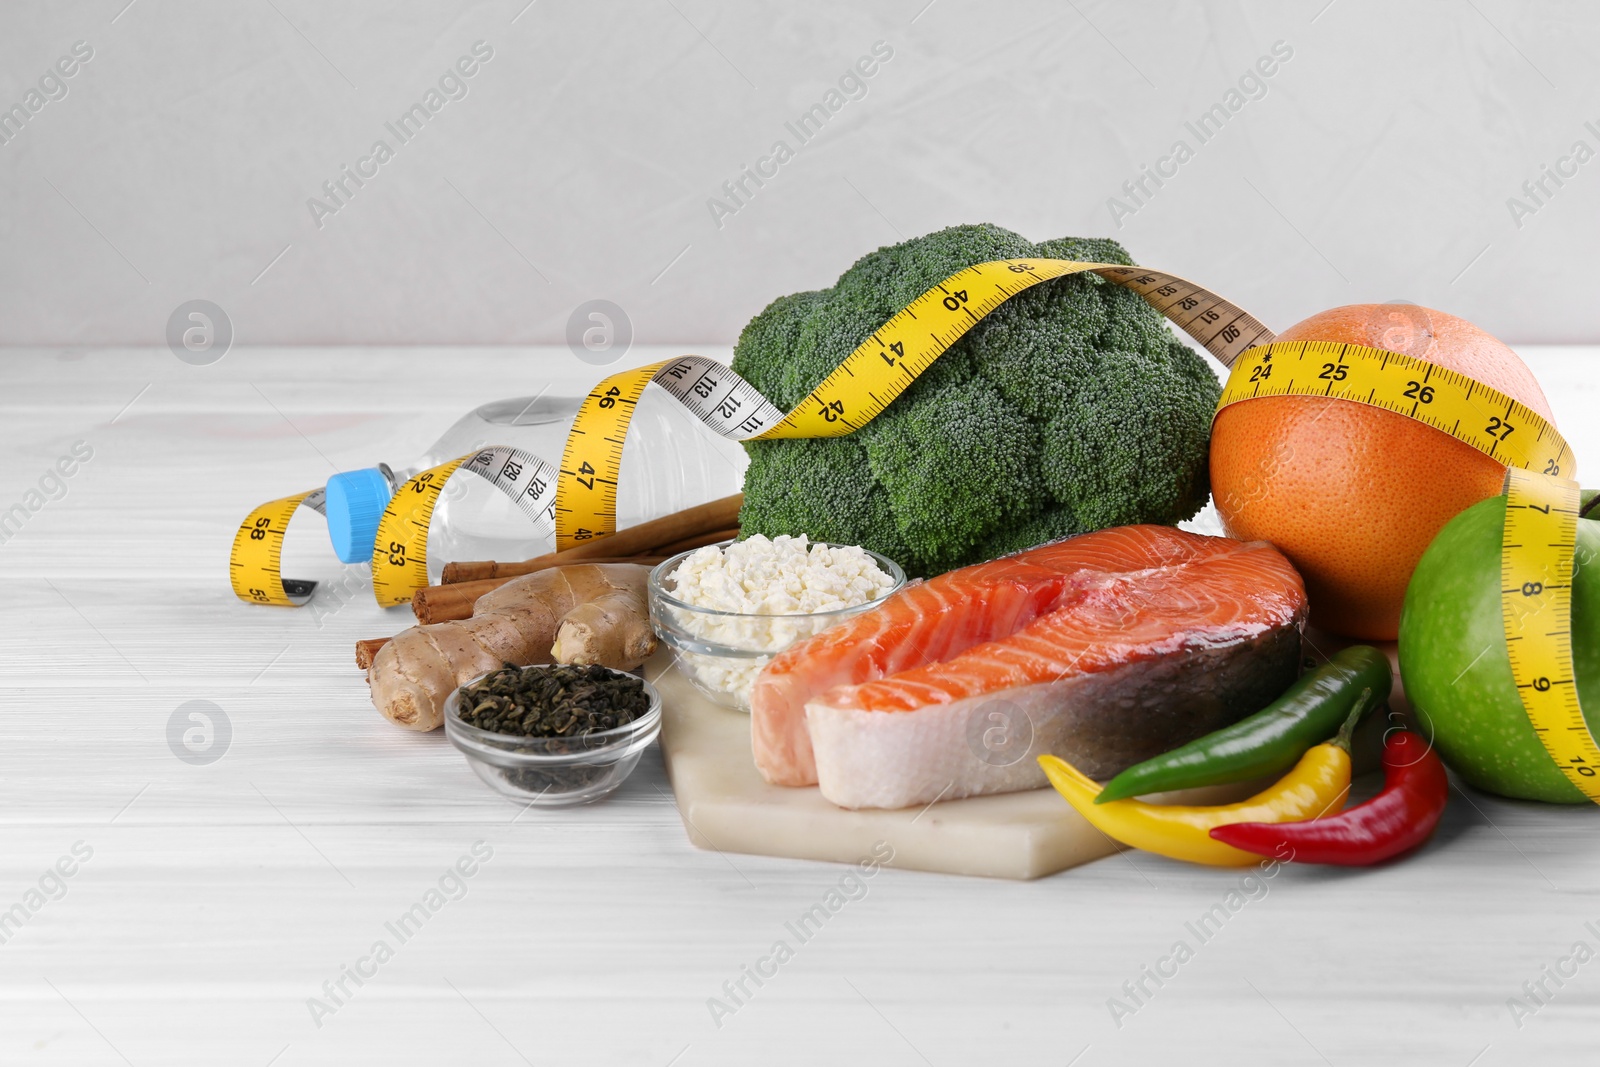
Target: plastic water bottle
x: 670, y: 461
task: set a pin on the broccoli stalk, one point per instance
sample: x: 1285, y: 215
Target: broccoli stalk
x: 1069, y: 408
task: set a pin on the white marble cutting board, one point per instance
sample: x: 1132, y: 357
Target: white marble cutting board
x: 727, y: 806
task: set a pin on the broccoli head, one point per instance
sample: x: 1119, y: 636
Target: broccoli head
x: 1069, y: 408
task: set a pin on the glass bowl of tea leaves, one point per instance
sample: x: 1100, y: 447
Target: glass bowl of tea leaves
x: 553, y: 735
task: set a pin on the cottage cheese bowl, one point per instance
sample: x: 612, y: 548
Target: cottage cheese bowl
x: 725, y: 610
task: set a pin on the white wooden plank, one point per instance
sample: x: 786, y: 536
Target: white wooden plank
x: 221, y: 898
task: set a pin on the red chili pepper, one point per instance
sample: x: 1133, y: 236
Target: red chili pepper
x: 1401, y: 817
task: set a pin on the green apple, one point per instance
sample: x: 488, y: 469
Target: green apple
x: 1454, y: 664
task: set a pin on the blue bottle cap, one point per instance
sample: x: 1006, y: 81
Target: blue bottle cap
x: 355, y: 503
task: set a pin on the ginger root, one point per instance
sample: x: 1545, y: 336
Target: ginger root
x: 587, y: 613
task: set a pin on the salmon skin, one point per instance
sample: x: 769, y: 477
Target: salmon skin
x: 1103, y: 649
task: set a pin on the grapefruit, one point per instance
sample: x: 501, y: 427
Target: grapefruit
x: 1354, y: 494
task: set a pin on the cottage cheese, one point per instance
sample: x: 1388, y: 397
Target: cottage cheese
x: 777, y: 591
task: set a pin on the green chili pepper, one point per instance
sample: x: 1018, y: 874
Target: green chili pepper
x: 1269, y: 742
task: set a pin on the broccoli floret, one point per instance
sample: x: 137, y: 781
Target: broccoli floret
x: 784, y: 381
x: 823, y: 487
x: 1096, y: 454
x: 947, y: 483
x: 1069, y: 408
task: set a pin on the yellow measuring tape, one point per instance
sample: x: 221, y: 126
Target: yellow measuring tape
x: 254, y: 564
x: 1541, y: 526
x: 1536, y: 567
x: 585, y: 486
x: 1541, y: 507
x: 400, y: 549
x: 1451, y: 403
x: 863, y: 385
x: 1541, y: 516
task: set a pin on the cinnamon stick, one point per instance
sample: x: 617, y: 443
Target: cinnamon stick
x: 459, y: 571
x: 699, y: 541
x: 652, y: 537
x: 365, y: 650
x: 444, y: 603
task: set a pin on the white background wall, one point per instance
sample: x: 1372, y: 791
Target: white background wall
x: 1377, y: 166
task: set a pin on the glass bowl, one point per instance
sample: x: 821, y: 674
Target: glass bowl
x: 721, y: 652
x: 553, y: 771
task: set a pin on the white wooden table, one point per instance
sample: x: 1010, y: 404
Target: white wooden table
x: 219, y: 898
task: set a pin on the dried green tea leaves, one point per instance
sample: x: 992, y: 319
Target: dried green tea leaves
x: 563, y: 701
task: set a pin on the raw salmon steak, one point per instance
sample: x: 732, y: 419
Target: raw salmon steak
x: 1104, y: 649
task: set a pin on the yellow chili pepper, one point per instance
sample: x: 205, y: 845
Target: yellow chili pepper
x: 1316, y: 786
